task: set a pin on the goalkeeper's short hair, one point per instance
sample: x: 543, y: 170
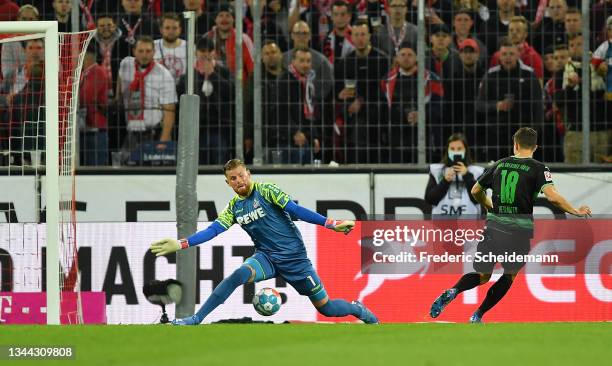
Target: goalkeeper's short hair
x: 233, y: 164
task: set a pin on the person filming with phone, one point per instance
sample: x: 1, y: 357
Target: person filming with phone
x: 450, y: 182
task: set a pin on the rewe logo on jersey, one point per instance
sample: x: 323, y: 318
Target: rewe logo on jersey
x: 251, y: 216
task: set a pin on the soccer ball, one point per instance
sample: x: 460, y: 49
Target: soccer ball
x: 267, y: 301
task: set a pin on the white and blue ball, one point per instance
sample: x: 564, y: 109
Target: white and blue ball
x: 267, y: 301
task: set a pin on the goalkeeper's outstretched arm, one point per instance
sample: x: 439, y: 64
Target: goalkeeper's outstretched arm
x: 312, y: 217
x: 167, y: 246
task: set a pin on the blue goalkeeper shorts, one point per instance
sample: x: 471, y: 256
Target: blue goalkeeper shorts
x: 299, y: 273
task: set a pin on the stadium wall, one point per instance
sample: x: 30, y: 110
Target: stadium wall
x: 120, y: 215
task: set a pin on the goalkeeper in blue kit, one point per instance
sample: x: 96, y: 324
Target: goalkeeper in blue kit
x: 264, y: 212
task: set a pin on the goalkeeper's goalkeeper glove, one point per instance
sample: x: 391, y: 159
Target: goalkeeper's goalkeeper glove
x: 167, y: 246
x: 344, y: 226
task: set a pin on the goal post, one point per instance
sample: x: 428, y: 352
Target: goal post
x: 63, y: 58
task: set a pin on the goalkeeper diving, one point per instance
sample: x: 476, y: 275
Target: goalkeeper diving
x: 264, y: 212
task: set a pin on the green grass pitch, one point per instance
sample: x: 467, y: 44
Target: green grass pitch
x: 323, y: 344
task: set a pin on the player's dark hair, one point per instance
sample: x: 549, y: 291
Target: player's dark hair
x: 526, y: 137
x: 233, y: 164
x: 467, y: 160
x: 560, y: 47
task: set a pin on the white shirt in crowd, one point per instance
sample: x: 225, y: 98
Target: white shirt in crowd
x: 174, y: 59
x: 159, y: 90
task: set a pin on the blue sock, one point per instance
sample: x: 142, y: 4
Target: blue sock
x: 339, y: 307
x: 223, y: 291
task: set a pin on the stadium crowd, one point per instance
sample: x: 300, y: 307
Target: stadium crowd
x: 339, y: 78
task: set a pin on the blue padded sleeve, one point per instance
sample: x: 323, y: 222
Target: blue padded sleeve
x: 205, y: 235
x: 304, y: 214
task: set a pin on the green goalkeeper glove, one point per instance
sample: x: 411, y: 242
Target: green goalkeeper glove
x: 341, y: 226
x: 168, y: 246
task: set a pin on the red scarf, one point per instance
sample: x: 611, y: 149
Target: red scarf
x: 86, y: 9
x: 137, y: 85
x: 330, y: 41
x: 230, y: 52
x: 388, y: 85
x: 106, y: 51
x: 307, y: 91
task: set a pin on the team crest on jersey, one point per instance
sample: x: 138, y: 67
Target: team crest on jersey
x: 547, y: 176
x: 255, y: 203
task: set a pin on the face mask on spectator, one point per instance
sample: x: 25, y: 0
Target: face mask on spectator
x: 452, y: 153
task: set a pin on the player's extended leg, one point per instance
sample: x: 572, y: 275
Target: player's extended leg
x: 495, y: 293
x: 253, y: 269
x: 312, y: 287
x: 514, y: 244
x: 468, y: 281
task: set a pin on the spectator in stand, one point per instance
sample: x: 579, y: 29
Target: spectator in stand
x: 548, y: 61
x: 338, y: 42
x: 26, y: 107
x: 444, y: 62
x: 464, y: 91
x: 552, y: 29
x: 279, y: 12
x: 601, y: 10
x: 215, y: 86
x: 15, y: 81
x: 317, y: 14
x: 436, y: 12
x: 573, y: 21
x: 170, y: 50
x: 497, y: 25
x: 554, y: 125
x: 451, y: 181
x: 61, y: 13
x: 463, y: 23
x: 295, y: 133
x: 272, y: 60
x: 134, y: 22
x: 358, y: 90
x: 569, y: 101
x: 517, y: 33
x: 148, y: 94
x: 111, y: 49
x: 602, y: 62
x: 510, y: 96
x: 396, y: 31
x: 8, y: 10
x: 479, y: 13
x: 93, y: 104
x: 400, y: 88
x: 269, y: 30
x: 204, y: 14
x: 223, y: 35
x: 324, y: 82
x: 12, y: 57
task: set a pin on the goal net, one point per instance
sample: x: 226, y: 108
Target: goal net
x: 41, y: 71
